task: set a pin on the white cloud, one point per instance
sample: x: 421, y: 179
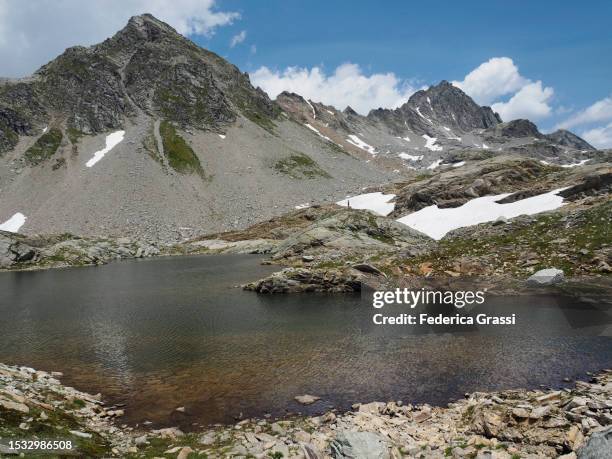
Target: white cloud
x: 347, y: 86
x: 496, y: 77
x: 238, y: 38
x: 35, y: 31
x: 530, y: 102
x: 599, y: 137
x: 599, y: 111
x: 500, y: 76
x: 253, y: 49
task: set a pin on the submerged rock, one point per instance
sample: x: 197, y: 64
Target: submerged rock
x: 307, y: 399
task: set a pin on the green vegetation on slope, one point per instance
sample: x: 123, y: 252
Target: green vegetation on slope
x: 180, y: 155
x: 299, y: 166
x: 572, y: 243
x: 45, y: 147
x: 74, y: 135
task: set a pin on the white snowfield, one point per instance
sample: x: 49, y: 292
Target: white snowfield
x: 353, y: 139
x: 302, y: 206
x: 376, y: 202
x: 436, y: 222
x: 430, y: 143
x: 580, y: 163
x: 459, y: 164
x: 13, y: 224
x: 410, y: 157
x: 222, y: 136
x: 112, y: 140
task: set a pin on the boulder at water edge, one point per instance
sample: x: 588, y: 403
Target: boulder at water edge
x: 548, y: 276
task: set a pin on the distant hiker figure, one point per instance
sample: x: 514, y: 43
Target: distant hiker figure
x: 348, y: 204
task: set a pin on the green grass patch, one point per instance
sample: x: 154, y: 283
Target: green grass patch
x: 335, y: 148
x: 8, y: 138
x: 74, y: 135
x: 149, y: 144
x: 180, y: 155
x: 44, y: 147
x: 300, y: 166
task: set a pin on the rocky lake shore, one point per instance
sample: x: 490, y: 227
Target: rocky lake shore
x: 330, y: 248
x: 572, y: 422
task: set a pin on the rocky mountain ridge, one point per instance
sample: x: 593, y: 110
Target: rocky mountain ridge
x: 148, y: 67
x: 148, y: 135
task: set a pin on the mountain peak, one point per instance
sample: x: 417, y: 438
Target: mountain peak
x: 148, y: 27
x: 146, y: 67
x: 144, y: 28
x: 569, y: 139
x: 439, y: 105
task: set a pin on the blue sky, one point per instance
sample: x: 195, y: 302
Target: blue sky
x: 548, y: 61
x: 565, y: 45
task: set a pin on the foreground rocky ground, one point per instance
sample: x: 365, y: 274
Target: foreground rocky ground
x: 568, y: 423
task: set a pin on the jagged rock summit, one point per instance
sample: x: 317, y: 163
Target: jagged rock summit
x: 442, y: 105
x: 145, y: 67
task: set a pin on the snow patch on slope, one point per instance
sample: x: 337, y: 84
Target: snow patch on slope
x: 410, y: 157
x: 13, y: 224
x: 314, y: 114
x: 112, y: 140
x: 376, y: 202
x: 579, y: 163
x: 314, y: 129
x: 436, y: 222
x: 430, y: 143
x: 418, y: 110
x: 353, y: 139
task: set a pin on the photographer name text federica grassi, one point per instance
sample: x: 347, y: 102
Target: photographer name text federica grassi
x: 440, y: 319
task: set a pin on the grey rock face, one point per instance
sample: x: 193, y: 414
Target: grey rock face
x: 568, y: 139
x: 451, y: 190
x: 12, y: 124
x: 548, y: 276
x: 13, y: 251
x: 359, y: 445
x: 514, y: 128
x: 148, y: 67
x: 598, y: 446
x: 440, y: 105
